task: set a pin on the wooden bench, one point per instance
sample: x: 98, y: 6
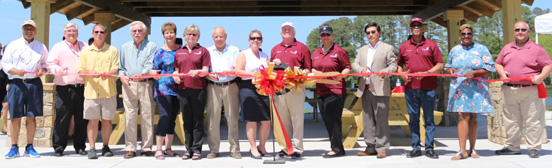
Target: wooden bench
x: 119, y: 129
x: 398, y: 116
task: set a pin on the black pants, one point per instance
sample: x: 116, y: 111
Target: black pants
x: 69, y: 102
x: 192, y: 105
x: 331, y: 108
x: 3, y: 82
x: 168, y: 106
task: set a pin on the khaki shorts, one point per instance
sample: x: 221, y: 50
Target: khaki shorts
x: 100, y: 108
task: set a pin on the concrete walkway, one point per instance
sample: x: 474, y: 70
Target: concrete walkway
x: 316, y: 144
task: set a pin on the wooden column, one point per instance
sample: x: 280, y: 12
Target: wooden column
x: 511, y: 13
x: 105, y: 18
x: 453, y: 17
x: 40, y: 13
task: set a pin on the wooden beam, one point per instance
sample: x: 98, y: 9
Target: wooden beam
x: 439, y: 20
x: 253, y: 9
x: 496, y: 5
x: 88, y: 19
x: 118, y: 9
x: 468, y: 9
x: 119, y: 24
x: 481, y: 9
x: 73, y: 13
x: 469, y: 15
x: 511, y: 13
x: 528, y: 2
x: 439, y: 8
x: 25, y: 4
x: 60, y: 4
x: 275, y: 13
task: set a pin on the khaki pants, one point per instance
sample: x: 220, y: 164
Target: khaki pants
x: 138, y: 97
x: 523, y: 110
x: 217, y: 96
x: 291, y: 109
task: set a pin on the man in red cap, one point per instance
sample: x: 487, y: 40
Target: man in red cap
x: 420, y: 55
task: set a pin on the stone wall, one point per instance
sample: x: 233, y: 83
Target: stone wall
x: 44, y: 124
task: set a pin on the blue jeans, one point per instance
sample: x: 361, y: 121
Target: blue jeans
x: 425, y: 98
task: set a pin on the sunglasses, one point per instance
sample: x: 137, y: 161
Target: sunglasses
x: 192, y: 34
x: 325, y: 35
x: 469, y: 34
x: 522, y: 30
x: 371, y: 32
x: 100, y: 32
x: 28, y: 29
x: 416, y: 26
x: 256, y: 38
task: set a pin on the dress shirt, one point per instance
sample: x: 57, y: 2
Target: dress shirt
x: 66, y: 55
x: 26, y: 56
x: 135, y: 61
x: 523, y: 61
x: 101, y: 60
x: 223, y: 61
x: 370, y: 57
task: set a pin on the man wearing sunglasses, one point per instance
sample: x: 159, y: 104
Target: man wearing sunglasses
x: 375, y: 90
x: 420, y: 55
x: 523, y: 110
x: 100, y: 90
x: 291, y: 105
x: 24, y: 55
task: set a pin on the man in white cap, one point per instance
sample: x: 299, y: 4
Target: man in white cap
x: 25, y: 55
x: 291, y: 105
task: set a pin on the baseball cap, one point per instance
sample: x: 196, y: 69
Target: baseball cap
x: 416, y: 19
x: 29, y: 22
x: 287, y: 24
x: 325, y: 29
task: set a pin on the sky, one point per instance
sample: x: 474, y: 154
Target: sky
x: 12, y: 15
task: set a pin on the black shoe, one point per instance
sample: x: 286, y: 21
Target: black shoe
x: 58, y: 154
x: 106, y: 151
x: 414, y: 153
x: 327, y: 155
x: 92, y: 154
x: 81, y: 152
x: 534, y: 153
x: 282, y: 153
x: 506, y: 151
x: 255, y: 157
x: 432, y: 154
x: 295, y: 155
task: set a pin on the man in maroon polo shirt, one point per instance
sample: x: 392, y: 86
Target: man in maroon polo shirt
x: 420, y: 55
x: 291, y: 105
x: 523, y: 110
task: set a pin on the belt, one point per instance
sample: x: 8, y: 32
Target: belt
x: 368, y: 86
x: 145, y: 79
x: 73, y: 85
x: 222, y: 83
x: 24, y: 80
x: 519, y: 85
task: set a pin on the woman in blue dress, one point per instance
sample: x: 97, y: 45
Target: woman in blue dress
x: 469, y: 96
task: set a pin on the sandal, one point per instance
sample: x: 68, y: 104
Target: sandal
x: 161, y: 156
x: 473, y: 154
x: 459, y: 156
x: 196, y: 156
x: 169, y: 152
x: 186, y: 156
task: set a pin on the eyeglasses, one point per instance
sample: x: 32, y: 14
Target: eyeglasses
x: 137, y: 31
x: 100, y: 32
x: 416, y: 26
x: 192, y: 34
x: 469, y: 34
x: 371, y: 32
x: 522, y: 30
x: 325, y: 35
x: 256, y: 38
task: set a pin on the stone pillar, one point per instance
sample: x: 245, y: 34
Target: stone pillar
x: 442, y: 95
x: 105, y: 18
x: 40, y: 13
x: 495, y: 123
x: 453, y: 17
x: 511, y: 13
x: 44, y: 124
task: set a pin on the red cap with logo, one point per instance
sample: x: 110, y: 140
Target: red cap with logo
x: 416, y: 19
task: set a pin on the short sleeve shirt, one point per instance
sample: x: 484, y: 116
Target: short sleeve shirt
x: 523, y: 61
x: 295, y: 55
x: 24, y: 55
x: 101, y: 60
x: 186, y: 60
x: 336, y: 59
x: 420, y: 57
x: 164, y: 61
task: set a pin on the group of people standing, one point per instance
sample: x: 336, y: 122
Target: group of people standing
x: 86, y: 89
